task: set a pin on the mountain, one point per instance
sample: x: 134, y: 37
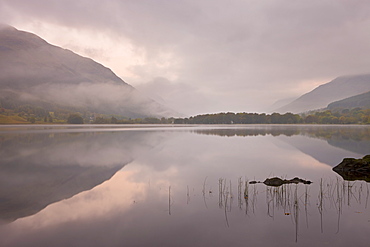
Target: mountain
x: 361, y: 100
x: 34, y: 72
x: 338, y: 89
x: 278, y: 104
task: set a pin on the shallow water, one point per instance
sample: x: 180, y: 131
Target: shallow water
x: 115, y: 185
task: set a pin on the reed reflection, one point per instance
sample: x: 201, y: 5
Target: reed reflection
x: 294, y: 200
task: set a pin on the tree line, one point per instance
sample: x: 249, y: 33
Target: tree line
x: 34, y: 114
x: 339, y: 116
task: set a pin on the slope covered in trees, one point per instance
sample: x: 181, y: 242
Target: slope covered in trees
x: 361, y: 100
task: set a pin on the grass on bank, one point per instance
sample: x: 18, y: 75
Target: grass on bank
x: 13, y: 120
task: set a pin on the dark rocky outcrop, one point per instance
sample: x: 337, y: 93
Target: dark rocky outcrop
x: 275, y: 181
x: 354, y: 169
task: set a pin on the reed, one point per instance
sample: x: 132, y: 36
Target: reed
x: 288, y: 199
x: 220, y: 192
x: 169, y: 200
x: 320, y: 204
x: 246, y: 196
x: 240, y: 193
x: 187, y: 195
x: 296, y: 212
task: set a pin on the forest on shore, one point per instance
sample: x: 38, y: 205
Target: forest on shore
x: 36, y: 115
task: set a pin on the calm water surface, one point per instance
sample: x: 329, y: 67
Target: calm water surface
x: 134, y: 185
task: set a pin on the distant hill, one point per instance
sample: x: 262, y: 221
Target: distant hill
x: 280, y: 103
x: 37, y: 73
x: 338, y: 89
x: 361, y: 100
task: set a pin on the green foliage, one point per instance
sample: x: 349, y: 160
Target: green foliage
x: 31, y: 120
x: 75, y: 118
x: 346, y: 116
x: 241, y: 118
x: 101, y: 120
x: 13, y: 113
x: 113, y: 120
x: 360, y: 100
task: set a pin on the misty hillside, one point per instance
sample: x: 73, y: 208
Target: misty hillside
x: 278, y: 104
x: 37, y: 73
x: 361, y: 100
x: 338, y: 89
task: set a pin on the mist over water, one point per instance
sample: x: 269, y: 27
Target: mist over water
x: 180, y: 186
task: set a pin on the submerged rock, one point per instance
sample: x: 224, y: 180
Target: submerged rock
x: 299, y: 180
x: 275, y: 181
x: 354, y: 169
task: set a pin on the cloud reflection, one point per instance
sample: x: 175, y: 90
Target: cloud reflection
x: 39, y: 169
x: 132, y: 208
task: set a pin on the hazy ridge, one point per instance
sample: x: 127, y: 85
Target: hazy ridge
x: 35, y: 72
x: 338, y: 89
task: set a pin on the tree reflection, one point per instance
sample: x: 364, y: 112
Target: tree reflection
x: 351, y: 138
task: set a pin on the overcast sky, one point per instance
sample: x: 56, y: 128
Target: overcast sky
x: 201, y: 56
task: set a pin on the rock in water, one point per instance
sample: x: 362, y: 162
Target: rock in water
x: 354, y: 169
x: 275, y: 181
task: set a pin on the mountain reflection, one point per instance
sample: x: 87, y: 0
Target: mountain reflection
x: 181, y: 188
x: 27, y: 190
x: 39, y: 169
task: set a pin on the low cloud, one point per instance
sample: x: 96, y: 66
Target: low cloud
x: 242, y: 55
x: 108, y: 98
x: 179, y: 95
